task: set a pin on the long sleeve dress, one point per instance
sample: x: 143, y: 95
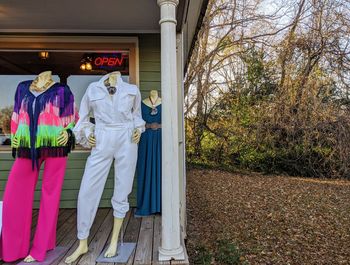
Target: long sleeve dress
x: 149, y: 165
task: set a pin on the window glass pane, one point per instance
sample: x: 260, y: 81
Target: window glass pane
x: 79, y: 83
x: 77, y: 69
x: 8, y: 86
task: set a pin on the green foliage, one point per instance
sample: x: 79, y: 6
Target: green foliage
x: 274, y: 101
x: 257, y: 131
x: 225, y: 253
x: 203, y: 256
x: 5, y: 119
x: 228, y: 254
x: 259, y: 77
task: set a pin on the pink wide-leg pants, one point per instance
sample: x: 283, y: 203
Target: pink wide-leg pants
x: 18, y: 204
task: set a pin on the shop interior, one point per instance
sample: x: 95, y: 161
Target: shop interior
x: 77, y: 69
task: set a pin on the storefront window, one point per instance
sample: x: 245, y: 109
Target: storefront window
x: 76, y: 69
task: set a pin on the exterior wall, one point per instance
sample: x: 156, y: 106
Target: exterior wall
x: 149, y: 67
x: 149, y: 54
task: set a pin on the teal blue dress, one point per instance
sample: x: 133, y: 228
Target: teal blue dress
x: 149, y: 170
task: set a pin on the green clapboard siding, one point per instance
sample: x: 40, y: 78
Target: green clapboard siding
x: 74, y: 172
x: 149, y: 52
x: 149, y: 60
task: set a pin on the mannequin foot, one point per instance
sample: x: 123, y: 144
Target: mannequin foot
x: 29, y: 258
x: 81, y: 250
x: 112, y: 250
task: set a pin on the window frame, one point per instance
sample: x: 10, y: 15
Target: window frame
x: 66, y: 43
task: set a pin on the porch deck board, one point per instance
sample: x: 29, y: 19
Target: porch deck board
x: 132, y: 234
x: 145, y: 232
x: 144, y: 248
x: 100, y: 217
x: 99, y: 241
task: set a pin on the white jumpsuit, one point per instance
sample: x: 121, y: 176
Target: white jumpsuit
x: 115, y: 119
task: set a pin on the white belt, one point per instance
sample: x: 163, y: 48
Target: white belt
x: 115, y: 126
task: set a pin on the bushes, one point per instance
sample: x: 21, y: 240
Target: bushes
x: 5, y: 119
x: 268, y: 135
x: 203, y: 256
x: 300, y: 126
x: 275, y: 102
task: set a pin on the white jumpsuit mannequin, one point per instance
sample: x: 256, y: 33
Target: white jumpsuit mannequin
x: 115, y: 117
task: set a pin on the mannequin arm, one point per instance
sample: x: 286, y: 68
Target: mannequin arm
x: 62, y: 139
x: 136, y: 113
x: 14, y: 126
x: 136, y: 135
x: 92, y: 140
x: 84, y: 128
x: 14, y: 142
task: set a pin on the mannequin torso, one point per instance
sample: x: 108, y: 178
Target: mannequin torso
x: 112, y: 82
x: 113, y: 78
x: 153, y: 100
x: 42, y: 82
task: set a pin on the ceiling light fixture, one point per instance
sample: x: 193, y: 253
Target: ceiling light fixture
x: 88, y: 66
x: 86, y: 63
x: 43, y: 55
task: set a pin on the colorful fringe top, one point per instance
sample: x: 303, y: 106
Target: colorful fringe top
x: 37, y: 129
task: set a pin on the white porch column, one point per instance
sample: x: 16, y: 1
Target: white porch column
x: 182, y: 148
x: 171, y: 245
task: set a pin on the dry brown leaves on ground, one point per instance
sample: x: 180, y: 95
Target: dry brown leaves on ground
x: 273, y: 219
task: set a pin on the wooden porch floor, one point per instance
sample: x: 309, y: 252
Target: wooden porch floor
x: 144, y: 231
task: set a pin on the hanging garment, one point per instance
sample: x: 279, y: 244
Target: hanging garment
x: 149, y: 163
x: 116, y: 117
x: 37, y: 121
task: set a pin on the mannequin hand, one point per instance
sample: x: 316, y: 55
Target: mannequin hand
x: 15, y: 142
x: 136, y: 135
x: 92, y: 140
x: 62, y: 139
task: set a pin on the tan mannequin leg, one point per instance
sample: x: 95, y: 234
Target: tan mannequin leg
x: 29, y: 258
x: 81, y: 250
x: 112, y: 249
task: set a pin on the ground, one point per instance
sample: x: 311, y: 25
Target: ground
x: 272, y: 219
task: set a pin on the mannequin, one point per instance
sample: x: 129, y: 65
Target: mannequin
x: 153, y: 100
x: 44, y: 81
x: 149, y: 158
x: 116, y: 107
x: 41, y: 125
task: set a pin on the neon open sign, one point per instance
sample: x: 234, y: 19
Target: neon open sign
x: 111, y: 61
